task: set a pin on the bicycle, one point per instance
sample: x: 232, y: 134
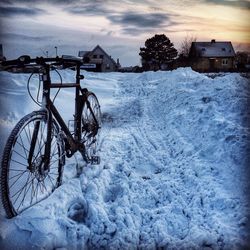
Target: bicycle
x: 34, y: 155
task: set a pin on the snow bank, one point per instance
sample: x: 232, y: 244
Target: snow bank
x: 174, y: 174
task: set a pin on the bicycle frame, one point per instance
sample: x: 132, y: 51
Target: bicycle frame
x: 80, y: 97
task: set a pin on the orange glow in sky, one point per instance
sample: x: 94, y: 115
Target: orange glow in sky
x: 121, y: 27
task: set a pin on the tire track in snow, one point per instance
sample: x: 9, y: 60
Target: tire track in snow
x: 152, y: 189
x: 133, y: 164
x: 207, y: 184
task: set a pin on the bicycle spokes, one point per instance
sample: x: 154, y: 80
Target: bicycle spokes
x: 91, y: 123
x: 29, y: 181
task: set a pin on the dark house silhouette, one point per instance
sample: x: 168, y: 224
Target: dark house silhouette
x: 212, y: 56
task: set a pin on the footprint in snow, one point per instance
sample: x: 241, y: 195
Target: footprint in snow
x: 113, y: 193
x: 77, y: 211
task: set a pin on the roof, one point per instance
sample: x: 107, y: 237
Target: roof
x: 213, y: 49
x: 99, y: 47
x: 82, y: 53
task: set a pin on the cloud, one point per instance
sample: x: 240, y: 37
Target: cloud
x: 93, y: 8
x: 24, y: 11
x: 57, y: 1
x: 15, y: 36
x: 139, y: 19
x: 63, y: 2
x: 233, y: 3
x: 135, y: 31
x: 141, y: 23
x: 130, y: 22
x: 6, y: 1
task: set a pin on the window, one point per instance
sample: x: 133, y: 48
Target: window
x: 94, y: 56
x: 224, y: 61
x: 203, y: 49
x: 107, y: 66
x: 223, y: 49
x: 101, y: 56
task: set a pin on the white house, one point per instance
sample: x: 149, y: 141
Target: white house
x: 98, y: 60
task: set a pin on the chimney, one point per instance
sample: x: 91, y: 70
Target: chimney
x: 213, y: 41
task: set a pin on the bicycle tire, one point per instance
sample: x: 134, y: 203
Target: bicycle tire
x: 13, y: 161
x: 90, y: 126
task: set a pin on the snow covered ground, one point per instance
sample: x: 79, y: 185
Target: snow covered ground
x: 174, y: 172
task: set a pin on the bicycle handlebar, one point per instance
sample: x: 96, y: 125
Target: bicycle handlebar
x: 25, y: 60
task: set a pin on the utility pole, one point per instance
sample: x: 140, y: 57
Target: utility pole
x: 56, y: 50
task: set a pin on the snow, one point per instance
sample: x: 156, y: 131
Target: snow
x: 174, y: 150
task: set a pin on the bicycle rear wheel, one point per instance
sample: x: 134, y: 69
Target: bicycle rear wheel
x: 24, y: 184
x: 91, y: 124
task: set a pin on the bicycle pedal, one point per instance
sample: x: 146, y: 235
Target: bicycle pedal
x: 95, y: 160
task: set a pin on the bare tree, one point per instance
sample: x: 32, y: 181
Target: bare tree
x: 186, y: 45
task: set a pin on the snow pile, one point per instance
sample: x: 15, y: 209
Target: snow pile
x: 174, y: 174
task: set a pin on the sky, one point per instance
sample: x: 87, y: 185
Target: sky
x: 120, y: 27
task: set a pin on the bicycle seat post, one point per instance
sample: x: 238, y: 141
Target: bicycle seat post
x: 46, y: 84
x: 46, y: 104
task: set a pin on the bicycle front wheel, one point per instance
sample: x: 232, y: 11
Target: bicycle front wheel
x: 24, y: 184
x: 91, y: 124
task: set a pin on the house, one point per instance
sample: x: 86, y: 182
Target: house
x: 98, y: 60
x: 212, y: 56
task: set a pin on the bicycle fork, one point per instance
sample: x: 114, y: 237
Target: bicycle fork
x: 33, y: 144
x: 35, y: 162
x: 41, y: 164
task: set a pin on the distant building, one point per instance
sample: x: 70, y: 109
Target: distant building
x: 98, y: 60
x: 212, y: 56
